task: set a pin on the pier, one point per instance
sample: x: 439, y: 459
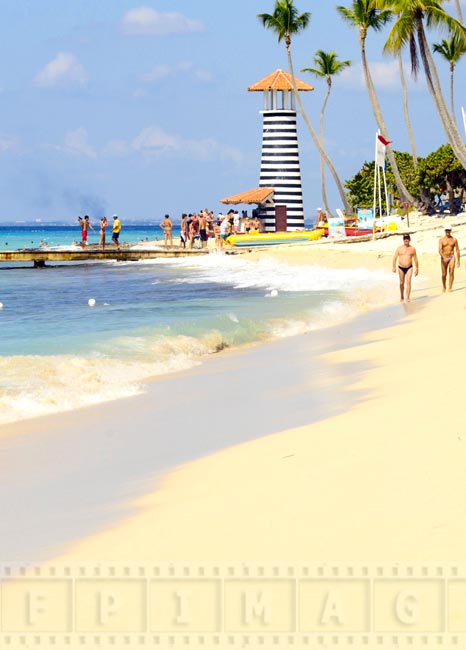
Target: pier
x: 39, y: 256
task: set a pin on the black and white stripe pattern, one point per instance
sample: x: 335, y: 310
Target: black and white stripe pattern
x: 280, y: 168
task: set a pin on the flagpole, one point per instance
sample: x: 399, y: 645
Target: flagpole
x: 386, y: 192
x: 380, y: 192
x: 375, y: 188
x: 464, y: 118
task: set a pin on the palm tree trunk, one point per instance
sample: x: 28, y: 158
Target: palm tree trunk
x: 320, y: 149
x: 322, y: 166
x: 458, y: 11
x: 406, y: 110
x: 452, y: 93
x: 402, y: 190
x: 433, y: 84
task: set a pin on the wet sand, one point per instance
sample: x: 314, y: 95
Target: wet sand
x: 71, y: 475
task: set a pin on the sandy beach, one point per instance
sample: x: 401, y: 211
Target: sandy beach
x: 384, y: 479
x: 351, y: 449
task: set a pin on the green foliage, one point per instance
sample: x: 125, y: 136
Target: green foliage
x: 285, y: 20
x: 327, y: 65
x: 438, y: 172
x: 407, y: 171
x: 451, y: 50
x: 361, y: 186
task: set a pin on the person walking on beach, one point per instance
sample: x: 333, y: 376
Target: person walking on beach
x: 103, y: 226
x: 407, y: 258
x: 167, y: 226
x: 85, y: 225
x: 116, y: 231
x: 448, y: 248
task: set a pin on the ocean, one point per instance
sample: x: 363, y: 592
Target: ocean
x: 150, y: 318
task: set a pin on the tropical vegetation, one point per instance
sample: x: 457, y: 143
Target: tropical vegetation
x: 327, y: 66
x: 408, y: 22
x: 437, y: 174
x: 285, y: 22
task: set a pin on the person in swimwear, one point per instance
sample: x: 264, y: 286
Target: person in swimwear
x: 167, y: 226
x: 103, y: 226
x: 85, y: 225
x: 183, y: 230
x: 407, y: 258
x: 448, y: 248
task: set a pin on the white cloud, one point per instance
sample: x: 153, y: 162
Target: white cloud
x: 165, y: 70
x: 155, y: 142
x: 8, y: 143
x: 77, y: 143
x: 157, y: 73
x: 145, y: 21
x: 385, y: 75
x: 64, y: 69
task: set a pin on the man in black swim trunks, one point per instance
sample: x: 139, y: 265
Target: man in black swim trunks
x: 407, y: 257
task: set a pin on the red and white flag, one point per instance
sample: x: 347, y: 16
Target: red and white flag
x: 380, y: 146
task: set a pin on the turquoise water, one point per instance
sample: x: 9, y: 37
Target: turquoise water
x: 151, y: 318
x: 16, y: 237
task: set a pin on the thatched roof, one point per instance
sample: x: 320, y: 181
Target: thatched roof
x: 278, y: 80
x: 257, y: 195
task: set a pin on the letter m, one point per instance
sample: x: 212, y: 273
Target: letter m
x: 257, y: 605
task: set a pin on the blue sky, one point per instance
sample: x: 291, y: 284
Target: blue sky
x: 141, y: 108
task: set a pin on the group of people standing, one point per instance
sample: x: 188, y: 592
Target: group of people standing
x: 200, y: 226
x: 195, y: 229
x: 86, y: 226
x: 406, y: 259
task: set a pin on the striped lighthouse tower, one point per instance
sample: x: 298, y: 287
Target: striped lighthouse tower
x: 280, y: 167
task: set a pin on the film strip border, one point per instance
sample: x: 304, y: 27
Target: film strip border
x: 232, y: 605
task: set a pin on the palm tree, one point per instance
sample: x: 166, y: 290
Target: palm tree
x: 327, y: 66
x: 404, y: 91
x: 458, y: 11
x: 451, y: 50
x: 409, y: 29
x: 364, y: 15
x: 285, y: 22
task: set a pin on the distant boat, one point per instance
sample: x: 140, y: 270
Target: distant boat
x: 255, y: 238
x: 357, y: 232
x: 350, y: 231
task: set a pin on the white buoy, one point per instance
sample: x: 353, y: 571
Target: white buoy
x: 273, y: 293
x: 91, y: 302
x: 1, y: 305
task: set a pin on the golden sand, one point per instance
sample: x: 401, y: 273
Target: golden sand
x: 385, y: 480
x: 382, y: 483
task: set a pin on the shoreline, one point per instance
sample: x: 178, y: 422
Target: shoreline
x: 122, y: 450
x: 212, y: 341
x: 120, y: 504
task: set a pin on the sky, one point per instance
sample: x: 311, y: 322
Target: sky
x: 141, y: 108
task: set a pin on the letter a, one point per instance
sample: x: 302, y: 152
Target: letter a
x: 332, y: 610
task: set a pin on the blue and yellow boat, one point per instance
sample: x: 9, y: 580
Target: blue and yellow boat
x: 255, y: 238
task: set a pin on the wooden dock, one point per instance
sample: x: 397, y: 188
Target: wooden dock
x: 39, y: 256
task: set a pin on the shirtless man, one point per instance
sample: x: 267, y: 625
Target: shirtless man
x: 167, y: 226
x: 406, y: 256
x: 448, y: 248
x: 85, y: 225
x: 203, y: 228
